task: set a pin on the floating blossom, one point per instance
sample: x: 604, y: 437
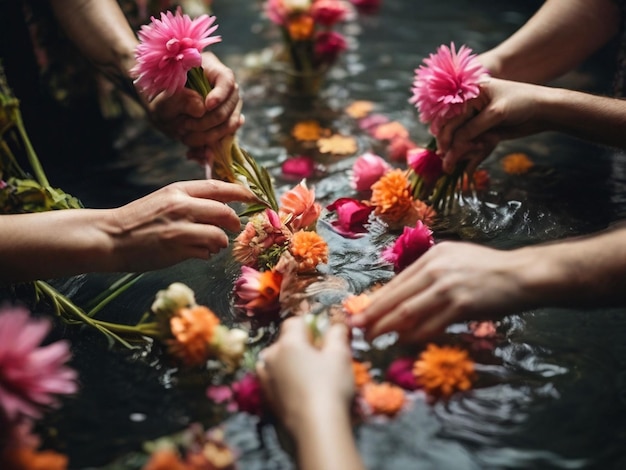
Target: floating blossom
x: 366, y: 170
x: 258, y: 292
x: 383, y: 398
x: 352, y: 215
x: 391, y: 197
x: 229, y: 346
x: 371, y: 122
x: 168, y: 49
x: 361, y: 373
x: 248, y: 394
x: 192, y: 330
x: 400, y: 373
x: 307, y: 130
x: 355, y: 304
x: 359, y: 109
x: 444, y: 370
x: 516, y: 163
x: 309, y: 249
x: 390, y: 130
x: 262, y: 240
x: 337, y: 145
x: 298, y: 206
x: 177, y: 295
x: 444, y: 84
x: 31, y: 375
x: 408, y: 247
x: 298, y: 167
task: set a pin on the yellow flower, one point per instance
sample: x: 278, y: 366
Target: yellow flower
x: 309, y: 249
x: 192, y: 329
x: 444, y: 370
x: 384, y: 398
x: 359, y: 109
x: 355, y: 304
x: 337, y: 145
x: 391, y: 197
x: 307, y: 130
x: 516, y: 163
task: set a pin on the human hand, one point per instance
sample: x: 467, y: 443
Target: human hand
x: 183, y: 220
x: 196, y: 123
x: 300, y: 381
x: 503, y: 110
x: 452, y: 281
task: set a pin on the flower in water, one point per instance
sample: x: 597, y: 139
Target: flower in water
x: 366, y: 170
x: 298, y: 167
x: 168, y: 301
x: 445, y: 83
x: 169, y: 48
x: 355, y: 304
x: 258, y: 292
x: 352, y: 215
x: 328, y: 46
x: 359, y: 109
x: 444, y: 370
x: 337, y: 145
x: 248, y: 395
x: 192, y: 330
x: 309, y: 249
x: 263, y: 231
x: 425, y: 163
x: 399, y: 147
x: 391, y: 197
x: 390, y: 130
x: 328, y: 12
x: 408, y: 247
x: 400, y: 373
x: 516, y: 163
x: 383, y: 398
x: 30, y: 374
x: 307, y: 130
x: 361, y: 373
x: 371, y: 122
x: 299, y: 207
x: 229, y: 346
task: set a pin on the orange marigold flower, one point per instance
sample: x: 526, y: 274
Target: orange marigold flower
x: 165, y: 459
x: 309, y: 249
x: 337, y: 144
x: 384, y: 398
x: 390, y: 131
x: 31, y: 459
x: 355, y: 304
x: 516, y: 163
x: 391, y: 196
x: 361, y: 373
x: 193, y: 330
x: 307, y: 130
x: 301, y: 28
x: 444, y: 370
x: 359, y: 109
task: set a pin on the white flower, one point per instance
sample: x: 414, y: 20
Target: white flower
x: 172, y: 299
x: 230, y: 345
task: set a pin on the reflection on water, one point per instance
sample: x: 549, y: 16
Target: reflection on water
x: 553, y: 390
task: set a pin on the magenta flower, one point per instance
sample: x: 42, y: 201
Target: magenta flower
x: 258, y: 292
x: 168, y: 49
x: 352, y: 215
x: 298, y: 167
x: 248, y: 394
x: 425, y: 163
x: 328, y: 46
x: 400, y: 372
x: 367, y: 169
x: 413, y: 243
x: 31, y: 375
x: 445, y: 83
x: 328, y: 12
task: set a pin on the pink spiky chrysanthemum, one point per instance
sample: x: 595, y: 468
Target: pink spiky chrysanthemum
x: 169, y: 48
x: 30, y: 375
x: 444, y: 84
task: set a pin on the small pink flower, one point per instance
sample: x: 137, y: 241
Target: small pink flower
x: 168, y: 49
x: 328, y: 12
x: 298, y: 167
x: 367, y: 169
x: 400, y: 372
x: 371, y: 122
x: 328, y: 46
x: 248, y: 394
x: 408, y: 247
x: 258, y: 292
x: 367, y: 7
x: 298, y: 206
x: 31, y: 375
x: 425, y: 163
x: 263, y: 230
x: 352, y: 215
x: 398, y: 149
x: 445, y: 83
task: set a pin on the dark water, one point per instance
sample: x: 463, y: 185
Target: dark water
x: 552, y: 393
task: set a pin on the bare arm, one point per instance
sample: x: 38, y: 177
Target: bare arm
x: 555, y: 40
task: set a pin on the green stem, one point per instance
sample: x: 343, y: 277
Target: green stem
x: 31, y: 154
x: 103, y: 299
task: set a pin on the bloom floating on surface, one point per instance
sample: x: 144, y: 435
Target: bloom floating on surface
x: 258, y: 292
x: 262, y: 240
x: 248, y: 394
x: 309, y: 250
x: 355, y: 304
x: 31, y: 375
x: 400, y: 373
x: 361, y: 373
x: 366, y: 170
x: 337, y: 144
x: 298, y: 167
x: 298, y: 206
x: 169, y: 48
x: 392, y: 198
x: 192, y: 330
x: 383, y: 398
x: 444, y: 370
x: 352, y: 215
x: 516, y: 163
x: 408, y: 247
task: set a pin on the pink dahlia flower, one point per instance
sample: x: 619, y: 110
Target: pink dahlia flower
x: 352, y: 215
x: 408, y: 247
x: 328, y: 46
x: 31, y: 375
x: 425, y: 163
x: 168, y: 49
x: 444, y: 84
x: 367, y: 169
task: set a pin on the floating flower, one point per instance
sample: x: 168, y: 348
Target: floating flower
x: 298, y: 167
x: 390, y: 130
x: 262, y: 240
x: 398, y: 149
x: 309, y: 249
x: 247, y: 393
x: 370, y: 123
x: 31, y: 375
x: 298, y: 206
x: 177, y: 295
x: 359, y: 109
x: 337, y: 145
x: 408, y: 247
x: 383, y: 398
x: 516, y: 163
x: 444, y: 370
x: 361, y: 373
x: 366, y: 170
x: 192, y: 330
x: 229, y: 346
x: 307, y: 130
x: 391, y: 196
x: 168, y: 49
x: 425, y: 163
x: 400, y: 373
x: 355, y: 304
x: 328, y: 46
x: 444, y: 84
x: 328, y: 12
x: 352, y: 215
x: 258, y: 292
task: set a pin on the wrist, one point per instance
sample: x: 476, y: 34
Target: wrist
x: 314, y: 416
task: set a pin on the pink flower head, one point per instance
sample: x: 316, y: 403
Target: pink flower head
x: 299, y: 167
x: 30, y: 374
x: 264, y: 230
x: 299, y: 205
x: 367, y: 7
x: 367, y: 169
x: 248, y: 394
x: 258, y: 292
x: 328, y: 46
x: 445, y: 83
x: 413, y: 243
x: 371, y: 122
x: 328, y: 12
x: 168, y: 49
x: 400, y: 372
x: 351, y: 216
x: 399, y: 147
x: 425, y: 163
